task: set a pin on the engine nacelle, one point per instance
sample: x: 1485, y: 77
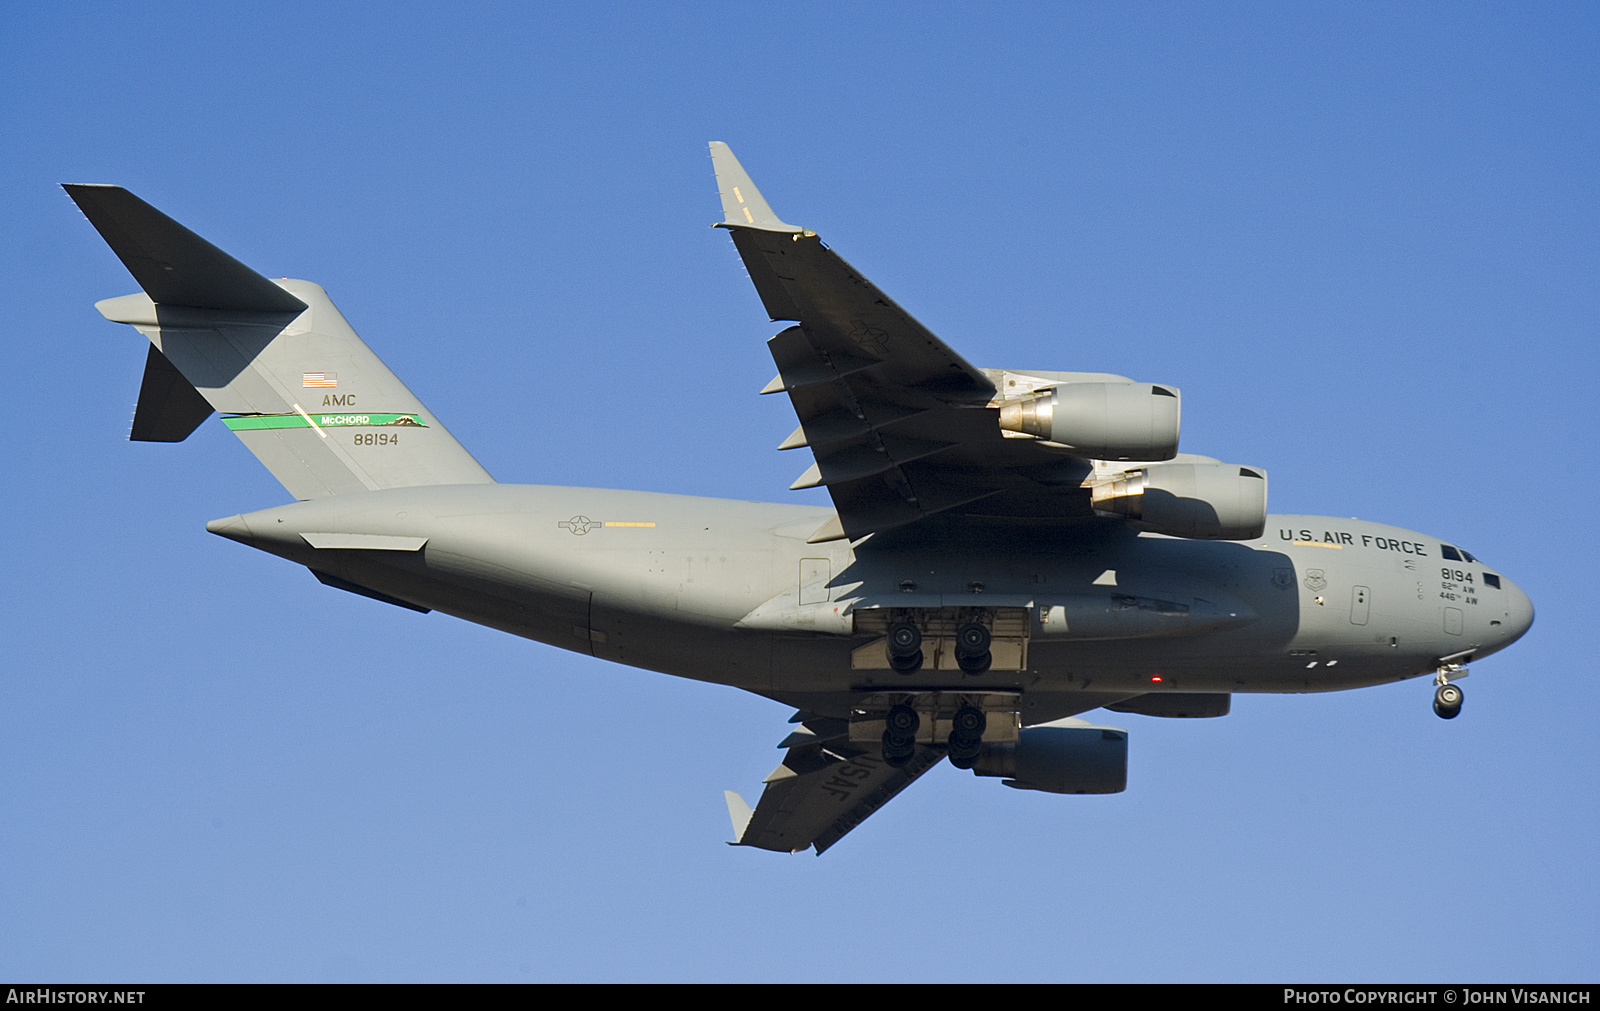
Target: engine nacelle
x: 1102, y: 421
x: 1211, y: 501
x: 1069, y: 757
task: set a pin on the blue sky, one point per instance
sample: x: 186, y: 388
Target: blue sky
x: 1361, y: 239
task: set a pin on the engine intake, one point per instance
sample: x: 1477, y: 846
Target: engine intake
x: 1101, y: 421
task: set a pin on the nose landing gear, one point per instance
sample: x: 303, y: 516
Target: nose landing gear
x: 1447, y: 702
x: 1447, y: 697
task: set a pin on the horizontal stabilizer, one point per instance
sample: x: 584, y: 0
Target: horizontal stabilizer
x: 174, y: 265
x: 170, y: 408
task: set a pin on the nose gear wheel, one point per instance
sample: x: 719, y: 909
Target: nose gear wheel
x: 1447, y: 702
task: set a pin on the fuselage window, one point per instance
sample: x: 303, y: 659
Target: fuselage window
x: 1490, y: 579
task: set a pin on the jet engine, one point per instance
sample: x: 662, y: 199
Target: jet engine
x: 1101, y: 421
x: 1208, y: 500
x: 1070, y: 756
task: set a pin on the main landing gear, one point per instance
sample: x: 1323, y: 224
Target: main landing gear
x: 900, y: 732
x: 902, y: 722
x: 905, y: 648
x: 966, y: 736
x: 972, y: 649
x: 972, y: 642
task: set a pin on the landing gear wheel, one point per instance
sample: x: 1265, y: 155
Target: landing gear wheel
x: 972, y: 640
x: 966, y: 736
x: 904, y: 647
x: 904, y: 639
x: 902, y: 722
x: 974, y: 664
x: 972, y: 648
x: 897, y: 752
x: 965, y: 758
x: 900, y: 735
x: 1447, y: 702
x: 906, y: 664
x: 969, y: 723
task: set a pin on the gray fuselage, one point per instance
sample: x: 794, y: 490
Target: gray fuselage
x: 730, y: 592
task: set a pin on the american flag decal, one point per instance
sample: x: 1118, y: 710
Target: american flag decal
x: 322, y: 380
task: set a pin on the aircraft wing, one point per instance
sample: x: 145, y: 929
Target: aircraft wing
x: 901, y: 426
x: 828, y: 784
x: 825, y: 787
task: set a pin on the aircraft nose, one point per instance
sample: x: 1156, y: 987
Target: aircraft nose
x: 235, y: 528
x: 1519, y: 612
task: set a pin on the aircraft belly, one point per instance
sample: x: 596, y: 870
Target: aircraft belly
x: 730, y: 592
x: 653, y: 642
x: 547, y: 612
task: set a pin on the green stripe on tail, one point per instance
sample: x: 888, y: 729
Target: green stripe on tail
x: 256, y: 422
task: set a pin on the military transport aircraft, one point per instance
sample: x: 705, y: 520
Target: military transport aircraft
x: 1007, y: 548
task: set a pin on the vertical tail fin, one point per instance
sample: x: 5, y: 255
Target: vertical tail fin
x: 302, y: 391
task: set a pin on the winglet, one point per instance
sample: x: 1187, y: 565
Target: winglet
x: 739, y: 812
x: 743, y: 206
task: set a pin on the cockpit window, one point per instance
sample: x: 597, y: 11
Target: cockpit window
x: 1490, y: 579
x: 1467, y: 555
x: 1450, y: 553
